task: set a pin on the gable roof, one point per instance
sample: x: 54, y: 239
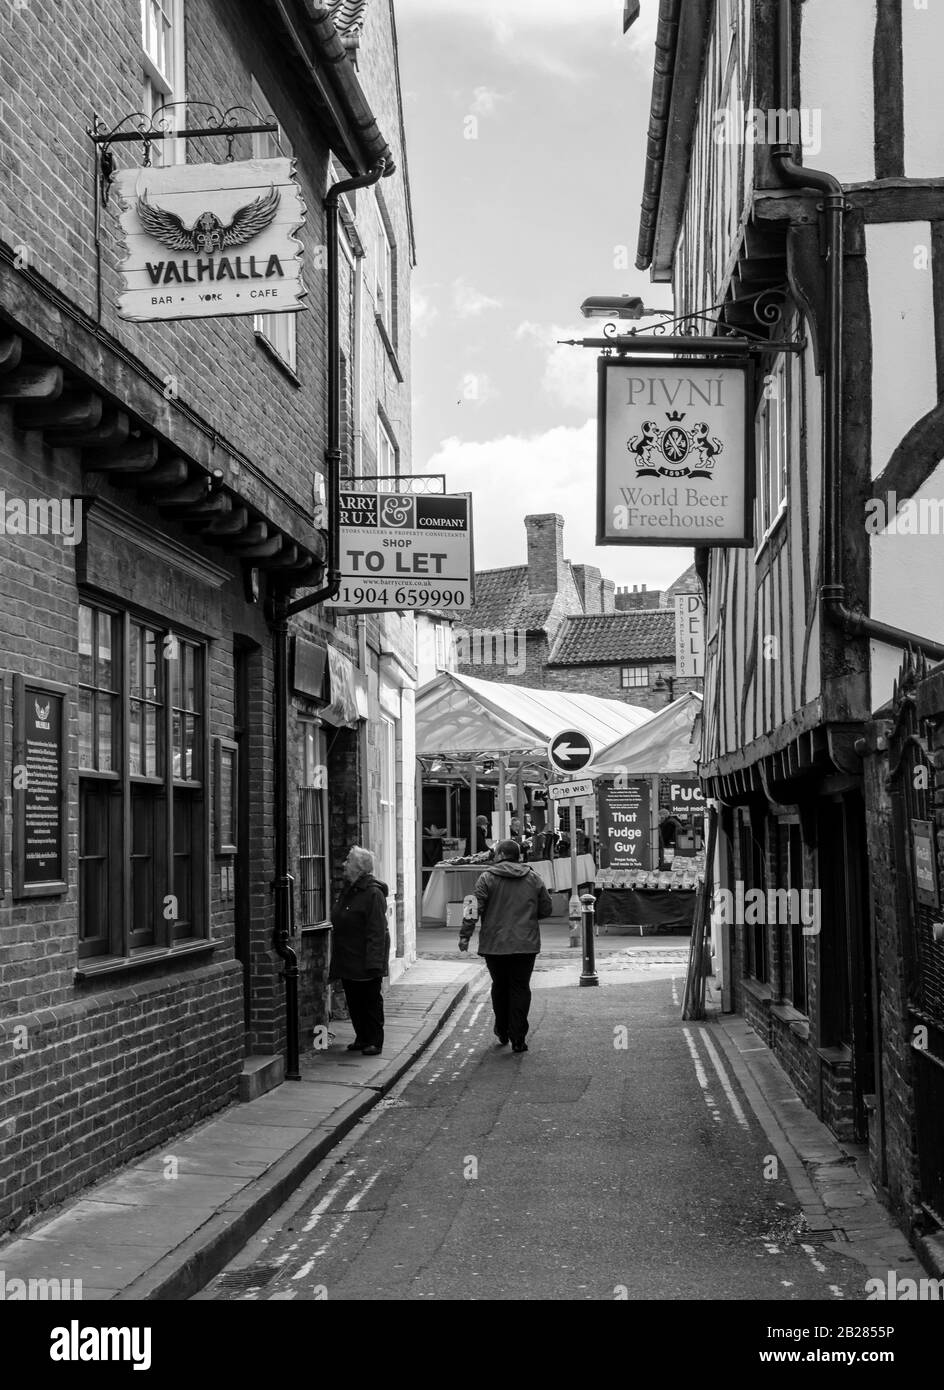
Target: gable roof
x: 639, y: 635
x: 504, y: 600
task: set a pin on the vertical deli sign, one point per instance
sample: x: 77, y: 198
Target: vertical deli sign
x: 675, y: 452
x: 211, y: 240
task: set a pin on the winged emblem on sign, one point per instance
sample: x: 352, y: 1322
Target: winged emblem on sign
x: 208, y: 233
x: 674, y: 452
x: 42, y: 711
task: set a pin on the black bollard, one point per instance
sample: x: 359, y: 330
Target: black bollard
x: 588, y: 975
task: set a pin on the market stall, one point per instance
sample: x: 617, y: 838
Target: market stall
x: 650, y: 818
x: 482, y: 756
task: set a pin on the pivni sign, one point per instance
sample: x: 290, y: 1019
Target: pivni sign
x: 675, y: 454
x: 211, y: 240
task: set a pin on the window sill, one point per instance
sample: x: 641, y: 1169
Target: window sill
x: 95, y: 968
x: 388, y: 344
x: 315, y: 927
x: 284, y: 367
x: 798, y: 1023
x: 772, y: 530
x: 761, y: 992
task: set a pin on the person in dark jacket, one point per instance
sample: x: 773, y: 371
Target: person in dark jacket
x: 360, y: 947
x: 510, y: 898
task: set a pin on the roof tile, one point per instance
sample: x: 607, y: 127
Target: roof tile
x: 641, y: 634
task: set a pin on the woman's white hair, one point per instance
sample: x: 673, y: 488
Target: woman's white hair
x: 362, y: 859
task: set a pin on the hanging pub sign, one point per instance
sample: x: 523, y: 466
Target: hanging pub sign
x: 211, y: 240
x: 404, y: 552
x: 675, y: 453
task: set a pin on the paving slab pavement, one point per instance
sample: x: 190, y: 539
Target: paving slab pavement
x: 162, y: 1226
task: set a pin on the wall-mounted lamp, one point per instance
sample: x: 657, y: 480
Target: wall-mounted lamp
x: 618, y: 306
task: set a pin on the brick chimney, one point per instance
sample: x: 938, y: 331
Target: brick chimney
x: 588, y: 581
x: 639, y: 597
x: 545, y: 553
x: 608, y: 588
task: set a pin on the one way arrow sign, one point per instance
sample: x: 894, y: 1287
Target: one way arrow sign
x: 569, y: 751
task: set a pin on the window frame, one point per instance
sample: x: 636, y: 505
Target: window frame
x: 161, y: 794
x: 628, y: 684
x: 385, y: 274
x: 314, y: 778
x: 385, y: 436
x: 388, y: 804
x: 167, y: 85
x: 773, y: 463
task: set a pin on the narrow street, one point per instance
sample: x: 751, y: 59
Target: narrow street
x: 580, y: 1170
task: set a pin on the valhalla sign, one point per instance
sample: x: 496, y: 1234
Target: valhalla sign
x: 674, y: 453
x: 206, y: 240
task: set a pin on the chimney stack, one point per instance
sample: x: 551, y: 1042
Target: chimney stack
x: 588, y: 581
x: 608, y: 604
x: 545, y: 553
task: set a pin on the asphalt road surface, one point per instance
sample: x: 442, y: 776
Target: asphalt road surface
x: 617, y: 1158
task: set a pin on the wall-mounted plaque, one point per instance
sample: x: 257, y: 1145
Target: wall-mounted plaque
x: 925, y: 865
x: 225, y: 795
x: 39, y: 788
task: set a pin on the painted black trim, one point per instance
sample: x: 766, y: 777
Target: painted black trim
x: 889, y: 86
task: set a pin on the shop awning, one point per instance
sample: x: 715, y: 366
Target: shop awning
x: 670, y: 742
x: 460, y: 716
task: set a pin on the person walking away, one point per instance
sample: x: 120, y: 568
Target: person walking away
x: 511, y: 899
x: 360, y: 948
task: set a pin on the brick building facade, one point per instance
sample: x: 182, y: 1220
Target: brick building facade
x: 138, y: 973
x: 555, y: 625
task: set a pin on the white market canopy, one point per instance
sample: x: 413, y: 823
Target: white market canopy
x: 466, y: 718
x: 669, y: 742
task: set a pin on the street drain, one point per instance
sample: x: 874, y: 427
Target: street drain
x: 252, y: 1277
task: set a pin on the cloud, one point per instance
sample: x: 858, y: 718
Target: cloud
x: 470, y: 303
x: 554, y: 471
x: 485, y: 101
x: 508, y: 15
x: 423, y: 312
x: 569, y: 376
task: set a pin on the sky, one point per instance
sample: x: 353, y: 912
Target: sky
x: 526, y: 125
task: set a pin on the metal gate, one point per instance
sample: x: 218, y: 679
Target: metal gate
x: 911, y: 784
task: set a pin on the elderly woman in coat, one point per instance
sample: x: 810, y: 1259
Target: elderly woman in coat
x: 360, y: 947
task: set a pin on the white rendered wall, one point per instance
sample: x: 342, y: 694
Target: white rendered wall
x: 907, y: 589
x: 904, y: 372
x: 836, y: 40
x: 922, y: 34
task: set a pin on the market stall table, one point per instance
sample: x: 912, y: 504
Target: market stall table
x: 450, y: 883
x: 652, y: 910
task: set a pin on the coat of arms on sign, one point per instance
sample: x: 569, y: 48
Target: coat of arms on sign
x: 674, y: 452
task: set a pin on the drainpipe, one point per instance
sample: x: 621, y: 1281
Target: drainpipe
x: 282, y: 609
x: 832, y: 590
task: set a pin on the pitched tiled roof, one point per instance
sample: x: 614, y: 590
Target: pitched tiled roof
x: 640, y: 635
x: 504, y: 601
x: 347, y: 15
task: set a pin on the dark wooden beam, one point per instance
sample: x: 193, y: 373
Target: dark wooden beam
x: 216, y: 504
x: 181, y: 499
x: 11, y: 350
x: 264, y: 550
x: 233, y: 524
x: 286, y: 558
x: 256, y: 533
x: 78, y: 410
x: 113, y: 429
x: 166, y: 476
x: 37, y: 381
x: 889, y: 87
x: 137, y: 456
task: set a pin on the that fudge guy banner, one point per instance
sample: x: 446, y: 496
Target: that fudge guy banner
x: 675, y: 454
x: 211, y: 240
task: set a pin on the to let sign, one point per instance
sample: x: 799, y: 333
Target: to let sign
x: 211, y: 240
x: 401, y: 552
x: 675, y: 456
x: 689, y: 635
x: 39, y: 807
